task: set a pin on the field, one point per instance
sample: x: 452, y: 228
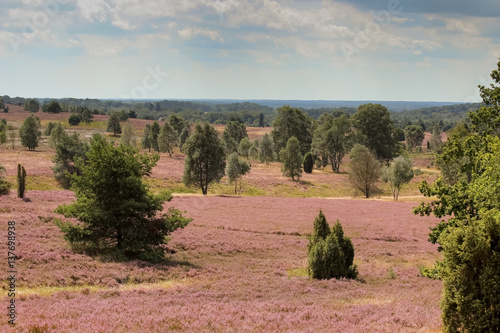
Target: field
x: 239, y: 266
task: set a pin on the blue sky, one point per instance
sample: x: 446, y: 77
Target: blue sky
x: 413, y: 50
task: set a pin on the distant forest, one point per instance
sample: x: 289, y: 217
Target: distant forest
x: 447, y: 116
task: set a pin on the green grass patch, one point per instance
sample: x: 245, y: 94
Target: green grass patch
x: 37, y: 183
x: 301, y: 272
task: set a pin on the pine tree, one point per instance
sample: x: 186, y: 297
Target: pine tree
x: 21, y: 181
x: 114, y: 125
x: 308, y: 162
x: 291, y: 159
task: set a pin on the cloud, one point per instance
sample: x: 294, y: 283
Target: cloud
x: 191, y: 32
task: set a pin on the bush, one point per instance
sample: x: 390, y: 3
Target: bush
x: 331, y: 255
x: 308, y: 163
x: 74, y: 119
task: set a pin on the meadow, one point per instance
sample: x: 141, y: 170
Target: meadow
x: 239, y: 266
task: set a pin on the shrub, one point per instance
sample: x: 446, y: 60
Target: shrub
x: 331, y: 255
x: 21, y: 181
x: 4, y: 184
x: 74, y: 119
x: 308, y: 163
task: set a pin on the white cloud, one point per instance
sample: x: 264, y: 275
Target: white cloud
x: 190, y: 32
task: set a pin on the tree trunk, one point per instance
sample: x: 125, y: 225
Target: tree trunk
x: 235, y: 186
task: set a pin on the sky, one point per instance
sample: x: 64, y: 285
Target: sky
x: 387, y: 50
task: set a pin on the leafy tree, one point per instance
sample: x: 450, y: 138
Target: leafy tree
x: 266, y: 153
x: 52, y: 107
x: 128, y: 136
x: 364, y: 169
x: 21, y: 181
x: 230, y: 145
x: 114, y: 125
x: 292, y: 122
x: 308, y: 162
x: 253, y: 152
x: 375, y: 130
x: 414, y: 136
x: 261, y: 120
x: 57, y: 135
x: 32, y: 105
x: 330, y: 254
x: 70, y: 149
x: 236, y: 130
x: 3, y: 133
x: 2, y: 105
x: 118, y: 214
x: 12, y: 137
x: 177, y: 123
x: 4, y: 184
x: 6, y: 109
x: 167, y: 139
x: 146, y: 138
x: 244, y: 146
x: 49, y: 128
x: 74, y: 119
x: 332, y: 140
x: 205, y: 158
x: 236, y: 169
x: 469, y: 207
x: 436, y: 141
x: 398, y: 173
x: 85, y: 114
x: 30, y: 132
x: 132, y: 114
x: 186, y: 132
x: 291, y: 159
x: 153, y: 136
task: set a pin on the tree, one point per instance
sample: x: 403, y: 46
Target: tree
x: 236, y: 130
x: 67, y: 151
x: 230, y: 145
x: 153, y: 136
x: 436, y: 141
x: 30, y: 132
x: 177, y: 123
x: 469, y: 208
x: 85, y: 114
x: 52, y: 107
x: 266, y: 153
x: 128, y: 136
x: 2, y: 105
x: 308, y: 162
x: 118, y: 214
x: 4, y: 184
x: 253, y: 152
x: 330, y: 254
x: 49, y: 128
x: 186, y: 132
x: 398, y: 173
x: 32, y: 105
x: 146, y: 138
x: 3, y: 133
x: 12, y: 137
x: 364, y: 169
x: 244, y: 146
x: 292, y: 122
x: 332, y: 140
x: 261, y: 120
x: 236, y: 169
x: 21, y: 181
x: 291, y: 159
x: 114, y: 125
x: 57, y: 135
x: 414, y: 136
x: 205, y: 158
x: 167, y: 139
x: 374, y: 129
x: 74, y: 119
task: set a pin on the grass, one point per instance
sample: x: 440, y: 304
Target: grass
x: 297, y: 272
x: 36, y: 183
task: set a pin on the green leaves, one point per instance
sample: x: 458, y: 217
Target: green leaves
x: 30, y: 132
x: 291, y: 159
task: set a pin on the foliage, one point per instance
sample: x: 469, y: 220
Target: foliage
x: 471, y: 203
x: 21, y: 181
x: 32, y: 105
x: 236, y: 130
x: 332, y: 139
x: 244, y: 147
x: 266, y: 152
x: 153, y: 136
x: 436, y: 142
x: 291, y: 159
x: 57, y: 135
x: 253, y: 152
x: 308, y: 162
x: 52, y: 107
x: 292, y: 122
x: 205, y: 158
x: 117, y: 213
x: 74, y: 119
x: 398, y: 173
x: 330, y: 254
x: 49, y: 128
x: 30, y: 132
x: 177, y: 123
x: 4, y: 184
x: 3, y: 131
x: 146, y: 138
x: 167, y: 139
x: 85, y: 114
x: 114, y: 125
x: 128, y: 136
x: 230, y: 145
x: 414, y: 136
x: 375, y: 130
x: 67, y: 152
x: 236, y: 169
x: 184, y: 136
x: 2, y: 104
x: 364, y: 169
